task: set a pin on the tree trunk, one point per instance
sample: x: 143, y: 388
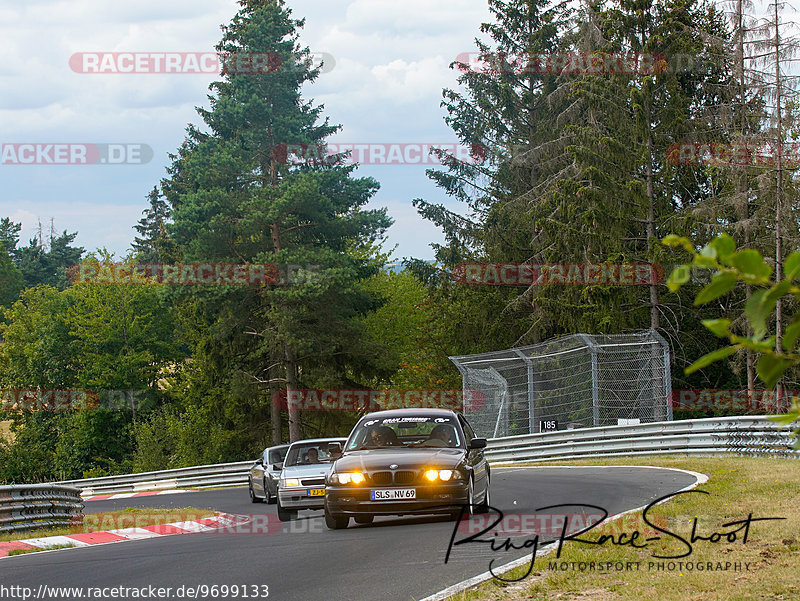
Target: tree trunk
x: 274, y: 406
x: 778, y: 190
x: 655, y: 322
x: 291, y: 384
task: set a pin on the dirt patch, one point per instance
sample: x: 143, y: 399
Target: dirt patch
x: 5, y: 431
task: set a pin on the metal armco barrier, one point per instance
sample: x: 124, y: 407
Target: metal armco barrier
x: 34, y: 506
x: 223, y: 474
x: 751, y: 436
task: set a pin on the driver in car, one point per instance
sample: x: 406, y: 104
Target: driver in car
x: 312, y: 456
x: 439, y: 437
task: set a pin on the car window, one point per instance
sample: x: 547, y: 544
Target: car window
x: 406, y: 432
x: 307, y: 454
x: 468, y: 431
x: 277, y: 455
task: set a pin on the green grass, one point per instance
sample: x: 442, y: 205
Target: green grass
x: 738, y: 486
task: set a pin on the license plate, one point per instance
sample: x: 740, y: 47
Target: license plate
x: 316, y: 492
x: 390, y: 494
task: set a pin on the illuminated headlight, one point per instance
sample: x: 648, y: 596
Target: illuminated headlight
x: 347, y: 478
x: 290, y: 482
x: 443, y: 475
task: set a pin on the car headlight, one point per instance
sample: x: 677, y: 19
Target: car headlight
x: 347, y: 478
x: 443, y: 475
x: 289, y: 482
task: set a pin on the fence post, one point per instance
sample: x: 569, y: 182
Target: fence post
x: 532, y: 426
x: 590, y: 344
x: 667, y: 374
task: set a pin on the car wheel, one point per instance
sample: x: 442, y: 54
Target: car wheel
x: 335, y: 521
x: 364, y: 519
x: 270, y: 499
x: 253, y: 497
x: 483, y: 506
x: 285, y: 515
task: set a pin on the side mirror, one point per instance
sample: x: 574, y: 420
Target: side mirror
x: 260, y: 461
x: 277, y: 467
x: 477, y: 443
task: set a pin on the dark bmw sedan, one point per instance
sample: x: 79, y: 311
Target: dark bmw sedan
x: 407, y: 461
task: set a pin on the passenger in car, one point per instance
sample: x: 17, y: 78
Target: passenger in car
x: 312, y: 456
x: 384, y: 436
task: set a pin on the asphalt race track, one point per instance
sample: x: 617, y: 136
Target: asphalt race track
x: 394, y: 559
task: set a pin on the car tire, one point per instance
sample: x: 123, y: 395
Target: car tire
x: 483, y: 506
x: 335, y: 521
x: 253, y: 497
x: 285, y: 515
x: 364, y: 519
x: 270, y: 499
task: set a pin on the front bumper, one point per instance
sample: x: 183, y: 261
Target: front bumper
x: 430, y: 499
x: 298, y: 498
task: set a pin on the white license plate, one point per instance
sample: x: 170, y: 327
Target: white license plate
x: 392, y: 494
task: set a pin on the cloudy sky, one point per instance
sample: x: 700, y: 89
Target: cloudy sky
x: 391, y: 63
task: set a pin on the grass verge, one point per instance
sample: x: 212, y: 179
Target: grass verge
x: 737, y: 487
x: 113, y: 520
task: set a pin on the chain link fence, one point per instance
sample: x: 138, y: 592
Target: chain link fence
x: 577, y: 381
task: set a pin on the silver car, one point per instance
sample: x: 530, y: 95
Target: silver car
x: 265, y: 473
x: 302, y: 481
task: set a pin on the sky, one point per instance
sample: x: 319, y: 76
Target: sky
x: 389, y: 61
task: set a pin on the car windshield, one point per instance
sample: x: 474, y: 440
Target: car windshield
x: 277, y: 455
x: 308, y: 454
x: 405, y: 432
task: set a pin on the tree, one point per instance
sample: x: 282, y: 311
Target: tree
x: 155, y: 245
x: 233, y: 198
x: 577, y: 168
x: 732, y: 266
x: 11, y: 280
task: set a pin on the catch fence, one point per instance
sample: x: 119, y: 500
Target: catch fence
x: 577, y: 381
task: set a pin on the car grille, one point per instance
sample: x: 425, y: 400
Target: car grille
x: 404, y: 477
x: 313, y: 481
x: 381, y: 478
x: 401, y: 477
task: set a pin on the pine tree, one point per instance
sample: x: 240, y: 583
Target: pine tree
x: 154, y: 245
x: 234, y: 197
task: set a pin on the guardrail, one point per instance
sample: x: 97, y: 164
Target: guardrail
x: 754, y: 436
x: 34, y: 506
x: 200, y: 476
